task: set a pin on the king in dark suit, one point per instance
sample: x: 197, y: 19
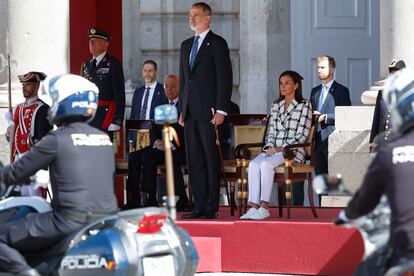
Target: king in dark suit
x: 205, y: 91
x: 324, y: 98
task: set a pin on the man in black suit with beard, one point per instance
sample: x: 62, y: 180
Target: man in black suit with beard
x: 324, y: 98
x: 146, y: 98
x: 206, y: 81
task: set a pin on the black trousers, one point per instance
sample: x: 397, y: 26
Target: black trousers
x: 321, y: 151
x: 133, y: 184
x: 204, y: 164
x: 32, y: 233
x: 150, y: 159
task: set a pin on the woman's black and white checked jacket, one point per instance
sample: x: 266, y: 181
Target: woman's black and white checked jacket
x: 290, y: 127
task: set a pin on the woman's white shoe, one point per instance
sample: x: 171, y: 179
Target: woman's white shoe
x: 261, y: 213
x: 249, y: 213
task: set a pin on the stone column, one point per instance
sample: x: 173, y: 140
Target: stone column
x: 36, y: 35
x: 348, y: 144
x: 264, y: 52
x: 396, y: 27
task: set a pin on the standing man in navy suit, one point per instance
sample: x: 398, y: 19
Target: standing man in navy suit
x: 324, y: 98
x: 206, y: 82
x: 144, y: 101
x: 107, y: 73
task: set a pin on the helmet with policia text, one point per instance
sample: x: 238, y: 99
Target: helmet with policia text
x: 73, y: 99
x: 398, y: 94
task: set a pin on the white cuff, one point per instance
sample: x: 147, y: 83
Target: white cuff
x: 222, y: 112
x: 342, y: 215
x: 357, y: 222
x: 113, y: 127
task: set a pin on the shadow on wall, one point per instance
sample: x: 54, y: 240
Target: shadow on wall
x: 349, y: 155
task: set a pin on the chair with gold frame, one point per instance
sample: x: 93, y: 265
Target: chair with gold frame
x: 142, y: 138
x: 291, y: 172
x: 244, y: 128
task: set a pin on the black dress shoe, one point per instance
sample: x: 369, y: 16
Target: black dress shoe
x: 183, y: 206
x: 193, y: 215
x: 210, y: 215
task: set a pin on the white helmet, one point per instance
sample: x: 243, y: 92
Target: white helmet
x: 73, y: 98
x: 398, y: 94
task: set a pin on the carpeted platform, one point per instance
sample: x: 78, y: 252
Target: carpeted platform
x: 299, y: 245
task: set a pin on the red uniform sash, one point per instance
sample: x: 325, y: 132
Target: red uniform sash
x: 109, y: 114
x: 24, y: 120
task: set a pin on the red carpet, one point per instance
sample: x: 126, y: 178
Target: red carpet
x: 299, y: 245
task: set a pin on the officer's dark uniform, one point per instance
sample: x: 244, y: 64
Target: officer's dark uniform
x: 79, y: 186
x: 391, y: 173
x: 109, y: 78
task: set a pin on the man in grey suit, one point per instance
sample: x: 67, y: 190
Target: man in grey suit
x: 324, y: 98
x: 205, y: 91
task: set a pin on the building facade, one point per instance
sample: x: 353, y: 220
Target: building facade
x: 265, y: 38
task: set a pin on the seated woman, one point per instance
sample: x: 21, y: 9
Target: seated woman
x: 289, y: 123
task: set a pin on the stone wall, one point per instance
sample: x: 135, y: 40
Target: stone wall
x: 35, y: 33
x: 257, y: 32
x: 156, y: 29
x: 348, y: 145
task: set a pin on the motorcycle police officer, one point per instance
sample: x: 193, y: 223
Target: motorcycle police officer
x: 391, y: 173
x: 81, y: 166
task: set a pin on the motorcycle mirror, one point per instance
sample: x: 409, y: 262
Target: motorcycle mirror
x: 165, y: 114
x: 325, y: 183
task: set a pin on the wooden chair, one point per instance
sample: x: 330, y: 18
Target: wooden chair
x: 244, y: 128
x: 143, y: 138
x: 291, y: 172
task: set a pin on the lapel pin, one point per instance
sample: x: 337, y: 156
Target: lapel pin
x: 208, y: 43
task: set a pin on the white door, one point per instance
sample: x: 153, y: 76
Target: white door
x: 346, y: 30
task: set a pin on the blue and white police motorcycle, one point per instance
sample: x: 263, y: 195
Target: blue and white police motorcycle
x: 134, y: 242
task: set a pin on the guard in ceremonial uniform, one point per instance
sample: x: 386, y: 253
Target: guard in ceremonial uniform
x: 30, y: 117
x: 30, y: 120
x: 106, y: 72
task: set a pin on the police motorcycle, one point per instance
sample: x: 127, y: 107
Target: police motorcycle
x: 142, y: 241
x: 373, y: 228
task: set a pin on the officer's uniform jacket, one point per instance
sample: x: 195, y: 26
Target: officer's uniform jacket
x: 109, y: 78
x: 30, y: 125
